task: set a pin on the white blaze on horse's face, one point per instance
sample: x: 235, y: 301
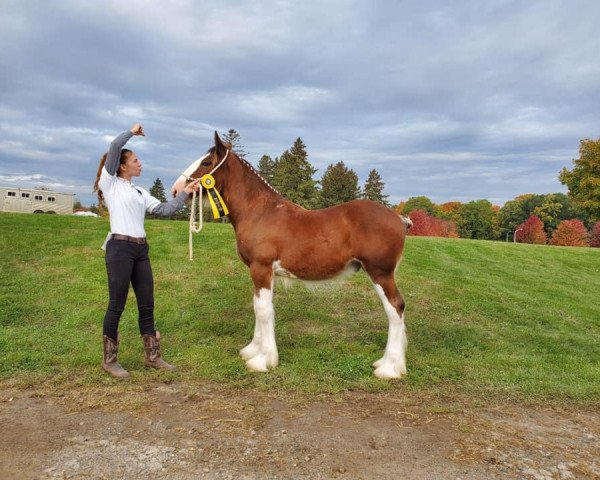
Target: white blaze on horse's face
x: 181, y: 182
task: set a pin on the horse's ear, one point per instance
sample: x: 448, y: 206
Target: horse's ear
x: 218, y: 143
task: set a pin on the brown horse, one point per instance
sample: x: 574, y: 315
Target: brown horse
x: 276, y: 237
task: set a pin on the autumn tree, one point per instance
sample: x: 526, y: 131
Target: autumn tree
x: 570, y: 233
x: 399, y: 209
x: 338, y: 185
x: 531, y: 231
x: 430, y: 226
x: 373, y: 189
x: 583, y: 181
x: 595, y: 235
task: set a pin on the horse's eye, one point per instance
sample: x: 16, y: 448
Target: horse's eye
x: 206, y: 163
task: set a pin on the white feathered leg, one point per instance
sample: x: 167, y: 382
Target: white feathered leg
x: 263, y: 344
x: 393, y: 362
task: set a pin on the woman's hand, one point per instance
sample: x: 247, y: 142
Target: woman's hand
x: 192, y: 186
x: 137, y: 129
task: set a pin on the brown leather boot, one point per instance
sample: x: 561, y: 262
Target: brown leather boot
x: 152, y: 353
x: 109, y: 361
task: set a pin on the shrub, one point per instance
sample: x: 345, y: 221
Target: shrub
x: 531, y: 231
x: 570, y: 233
x: 595, y: 235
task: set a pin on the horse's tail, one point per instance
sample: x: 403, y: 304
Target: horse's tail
x: 407, y: 222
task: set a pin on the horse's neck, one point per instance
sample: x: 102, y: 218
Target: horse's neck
x: 244, y: 190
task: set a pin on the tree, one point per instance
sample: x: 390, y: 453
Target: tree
x: 233, y: 137
x: 374, y: 188
x: 595, y: 235
x: 420, y: 203
x: 555, y: 208
x: 293, y: 177
x: 583, y: 181
x: 399, y: 209
x: 427, y: 225
x: 531, y: 231
x: 478, y: 220
x: 512, y: 214
x: 570, y: 233
x: 450, y: 210
x: 266, y: 168
x: 158, y: 190
x: 338, y: 185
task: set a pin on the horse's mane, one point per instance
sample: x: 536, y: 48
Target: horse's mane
x: 248, y: 165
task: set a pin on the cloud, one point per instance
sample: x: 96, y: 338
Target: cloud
x: 462, y: 102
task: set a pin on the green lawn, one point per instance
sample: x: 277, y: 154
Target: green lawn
x: 488, y: 320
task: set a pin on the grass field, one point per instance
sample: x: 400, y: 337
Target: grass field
x: 485, y: 319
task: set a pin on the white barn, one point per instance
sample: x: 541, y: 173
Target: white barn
x: 31, y: 200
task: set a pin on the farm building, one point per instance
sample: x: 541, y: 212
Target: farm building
x: 31, y: 200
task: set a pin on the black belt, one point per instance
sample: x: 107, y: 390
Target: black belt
x: 138, y: 240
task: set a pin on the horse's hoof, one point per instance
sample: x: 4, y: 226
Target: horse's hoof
x: 379, y: 362
x: 389, y: 371
x: 258, y: 363
x: 249, y: 351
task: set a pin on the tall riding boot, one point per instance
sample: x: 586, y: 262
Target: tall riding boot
x: 109, y: 362
x: 152, y: 353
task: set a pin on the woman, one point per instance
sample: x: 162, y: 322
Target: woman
x: 127, y: 250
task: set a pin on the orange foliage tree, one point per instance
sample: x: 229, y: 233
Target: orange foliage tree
x: 570, y: 233
x: 595, y: 235
x: 427, y: 226
x: 531, y: 231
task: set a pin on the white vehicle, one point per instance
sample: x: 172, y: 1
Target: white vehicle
x: 31, y: 200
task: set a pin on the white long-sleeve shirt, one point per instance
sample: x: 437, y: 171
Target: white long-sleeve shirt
x: 127, y: 204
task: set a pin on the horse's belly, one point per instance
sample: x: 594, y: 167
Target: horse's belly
x: 316, y: 271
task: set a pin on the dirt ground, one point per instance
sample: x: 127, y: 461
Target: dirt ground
x: 174, y: 431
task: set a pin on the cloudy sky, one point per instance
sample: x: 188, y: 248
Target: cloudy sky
x: 454, y: 100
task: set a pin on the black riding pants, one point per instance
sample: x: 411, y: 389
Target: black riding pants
x: 128, y: 262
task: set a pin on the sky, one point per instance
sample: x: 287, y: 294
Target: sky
x: 457, y: 101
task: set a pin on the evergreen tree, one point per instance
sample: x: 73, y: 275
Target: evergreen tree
x: 266, y: 168
x: 292, y: 177
x: 338, y: 185
x: 299, y: 149
x: 233, y: 137
x: 374, y: 188
x: 158, y: 190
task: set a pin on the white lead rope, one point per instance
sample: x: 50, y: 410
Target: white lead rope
x: 196, y: 225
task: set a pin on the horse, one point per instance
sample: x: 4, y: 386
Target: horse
x: 277, y: 238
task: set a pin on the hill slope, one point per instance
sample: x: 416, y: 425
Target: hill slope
x: 484, y: 318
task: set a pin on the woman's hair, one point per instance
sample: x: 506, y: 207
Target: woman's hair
x: 124, y: 154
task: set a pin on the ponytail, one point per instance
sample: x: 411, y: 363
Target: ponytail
x: 124, y: 154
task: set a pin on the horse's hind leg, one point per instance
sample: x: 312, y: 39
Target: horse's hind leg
x: 393, y: 362
x: 261, y: 352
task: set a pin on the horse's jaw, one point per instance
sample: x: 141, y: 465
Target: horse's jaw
x: 178, y: 186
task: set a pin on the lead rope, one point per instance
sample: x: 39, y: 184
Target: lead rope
x: 196, y: 225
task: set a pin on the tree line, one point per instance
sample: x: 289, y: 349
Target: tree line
x: 553, y: 218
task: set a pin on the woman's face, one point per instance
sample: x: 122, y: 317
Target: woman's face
x: 132, y: 166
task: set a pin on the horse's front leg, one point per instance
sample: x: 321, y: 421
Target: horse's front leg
x: 261, y: 352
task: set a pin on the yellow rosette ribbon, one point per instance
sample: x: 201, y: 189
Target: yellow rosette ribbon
x: 219, y: 209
